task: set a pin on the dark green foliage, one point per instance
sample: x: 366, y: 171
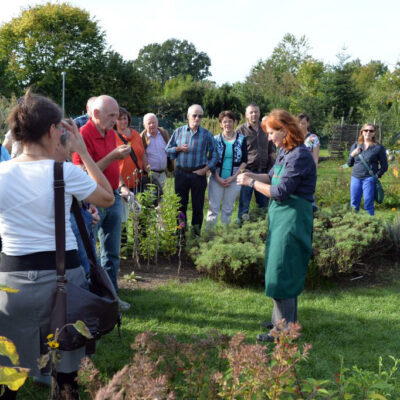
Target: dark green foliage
x: 222, y: 98
x: 344, y: 240
x: 171, y: 59
x: 179, y: 93
x: 111, y: 74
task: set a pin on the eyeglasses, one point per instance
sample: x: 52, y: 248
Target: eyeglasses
x: 368, y: 130
x: 197, y: 116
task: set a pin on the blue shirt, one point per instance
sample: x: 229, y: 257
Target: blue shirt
x: 375, y: 157
x: 201, y: 148
x: 82, y: 120
x: 299, y: 176
x: 4, y: 155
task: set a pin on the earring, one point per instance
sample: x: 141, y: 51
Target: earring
x: 284, y: 140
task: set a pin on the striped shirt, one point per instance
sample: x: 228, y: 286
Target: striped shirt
x: 202, y: 148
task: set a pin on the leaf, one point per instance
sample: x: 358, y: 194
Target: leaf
x: 14, y: 378
x: 82, y: 329
x: 43, y: 360
x: 7, y: 289
x: 377, y: 396
x: 8, y: 349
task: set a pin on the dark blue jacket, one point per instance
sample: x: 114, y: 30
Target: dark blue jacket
x: 299, y: 176
x: 375, y: 156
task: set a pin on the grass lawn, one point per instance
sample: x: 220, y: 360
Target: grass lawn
x: 359, y: 322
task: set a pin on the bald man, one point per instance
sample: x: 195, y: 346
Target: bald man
x: 193, y: 147
x: 155, y: 139
x: 99, y: 137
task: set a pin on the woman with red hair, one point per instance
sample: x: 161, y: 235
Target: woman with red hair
x: 290, y: 185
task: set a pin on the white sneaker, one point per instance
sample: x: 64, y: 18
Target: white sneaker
x: 123, y: 305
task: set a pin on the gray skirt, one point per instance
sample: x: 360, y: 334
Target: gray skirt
x: 25, y: 316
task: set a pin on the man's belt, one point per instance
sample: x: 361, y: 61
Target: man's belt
x: 190, y: 170
x: 159, y: 171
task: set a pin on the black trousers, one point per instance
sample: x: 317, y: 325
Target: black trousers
x: 186, y: 182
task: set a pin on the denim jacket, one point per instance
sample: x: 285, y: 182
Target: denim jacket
x: 239, y: 149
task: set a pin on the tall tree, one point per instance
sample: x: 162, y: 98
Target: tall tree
x: 288, y: 55
x: 218, y: 99
x: 171, y: 59
x: 119, y: 78
x: 309, y: 95
x: 179, y: 93
x: 44, y: 41
x: 341, y: 93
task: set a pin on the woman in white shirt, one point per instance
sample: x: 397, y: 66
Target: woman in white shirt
x: 27, y: 231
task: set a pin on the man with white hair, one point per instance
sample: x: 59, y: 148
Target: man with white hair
x: 99, y: 137
x: 155, y: 139
x: 83, y: 119
x: 193, y: 147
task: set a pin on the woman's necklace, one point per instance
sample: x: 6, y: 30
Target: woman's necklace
x: 228, y: 137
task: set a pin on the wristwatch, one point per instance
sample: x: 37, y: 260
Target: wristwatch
x: 251, y: 184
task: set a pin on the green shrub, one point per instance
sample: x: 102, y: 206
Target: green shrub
x: 232, y: 253
x: 343, y: 242
x: 344, y: 239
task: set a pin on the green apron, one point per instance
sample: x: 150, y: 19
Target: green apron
x: 289, y: 244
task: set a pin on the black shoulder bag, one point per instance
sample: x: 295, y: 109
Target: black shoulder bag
x: 97, y: 306
x: 145, y: 180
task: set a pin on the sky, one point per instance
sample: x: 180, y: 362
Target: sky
x: 236, y: 34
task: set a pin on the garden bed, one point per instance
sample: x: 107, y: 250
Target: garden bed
x: 153, y: 276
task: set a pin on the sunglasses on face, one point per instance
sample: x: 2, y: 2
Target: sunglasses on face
x: 197, y: 116
x: 368, y: 130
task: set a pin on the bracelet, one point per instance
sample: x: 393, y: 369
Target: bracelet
x: 251, y: 184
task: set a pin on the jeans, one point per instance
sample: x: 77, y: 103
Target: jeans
x: 186, y: 182
x: 218, y: 194
x: 87, y: 217
x: 108, y: 230
x: 363, y: 187
x: 245, y: 198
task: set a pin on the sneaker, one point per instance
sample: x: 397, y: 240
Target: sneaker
x: 267, y: 325
x: 245, y: 217
x: 265, y: 337
x: 123, y: 305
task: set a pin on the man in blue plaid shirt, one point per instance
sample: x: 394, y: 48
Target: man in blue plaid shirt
x: 193, y: 147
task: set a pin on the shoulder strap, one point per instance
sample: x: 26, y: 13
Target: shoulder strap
x: 83, y: 232
x: 59, y: 217
x: 133, y: 155
x: 366, y: 165
x: 164, y: 134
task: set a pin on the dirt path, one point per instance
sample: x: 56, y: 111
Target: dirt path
x: 154, y: 275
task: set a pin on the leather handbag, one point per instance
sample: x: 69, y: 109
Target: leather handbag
x: 97, y: 306
x: 379, y: 192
